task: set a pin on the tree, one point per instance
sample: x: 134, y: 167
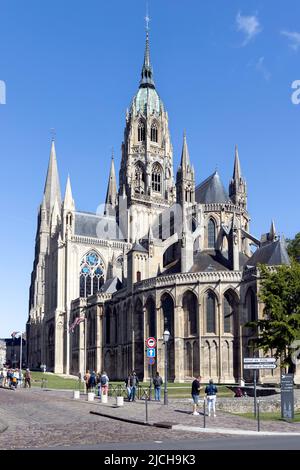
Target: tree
x: 293, y: 246
x: 280, y: 293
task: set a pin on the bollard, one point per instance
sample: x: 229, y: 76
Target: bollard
x: 258, y: 417
x: 204, y: 413
x: 146, y: 407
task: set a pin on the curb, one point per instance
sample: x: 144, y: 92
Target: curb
x: 234, y: 432
x: 132, y: 421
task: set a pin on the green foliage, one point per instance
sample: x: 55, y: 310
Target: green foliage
x: 280, y: 293
x: 293, y: 247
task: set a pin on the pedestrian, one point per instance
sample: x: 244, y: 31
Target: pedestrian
x: 92, y: 381
x: 157, y: 382
x: 196, y: 394
x: 128, y: 386
x: 104, y: 383
x: 211, y: 394
x: 86, y: 379
x: 27, y: 378
x: 134, y: 382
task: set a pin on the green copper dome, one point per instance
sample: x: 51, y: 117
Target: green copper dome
x: 147, y: 101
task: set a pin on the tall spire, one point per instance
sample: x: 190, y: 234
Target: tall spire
x: 272, y: 233
x: 237, y: 174
x: 185, y: 156
x: 111, y: 194
x: 68, y: 199
x: 238, y: 187
x: 52, y: 186
x: 147, y: 71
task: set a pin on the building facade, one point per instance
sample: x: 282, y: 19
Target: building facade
x: 164, y: 254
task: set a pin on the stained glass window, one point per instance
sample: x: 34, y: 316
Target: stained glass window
x: 91, y: 274
x: 210, y: 313
x: 211, y: 234
x: 154, y: 132
x: 156, y: 178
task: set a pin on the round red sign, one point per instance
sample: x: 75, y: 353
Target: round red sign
x: 151, y: 342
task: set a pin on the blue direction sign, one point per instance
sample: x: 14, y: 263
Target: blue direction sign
x: 150, y: 352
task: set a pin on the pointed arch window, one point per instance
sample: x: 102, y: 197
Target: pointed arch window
x: 210, y: 313
x: 211, y: 234
x: 91, y: 274
x: 228, y: 312
x: 141, y: 132
x: 154, y: 132
x: 139, y: 179
x: 156, y: 178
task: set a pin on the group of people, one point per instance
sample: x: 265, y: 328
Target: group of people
x: 132, y: 382
x: 211, y: 396
x: 14, y: 378
x: 97, y: 381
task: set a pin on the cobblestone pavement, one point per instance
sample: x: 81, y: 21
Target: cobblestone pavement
x: 40, y: 418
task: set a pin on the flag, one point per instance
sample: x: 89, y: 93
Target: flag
x: 75, y: 323
x: 14, y: 334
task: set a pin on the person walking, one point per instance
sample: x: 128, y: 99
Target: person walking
x: 128, y: 386
x: 86, y: 379
x: 27, y: 379
x: 211, y: 394
x: 157, y: 382
x: 134, y: 382
x: 196, y: 394
x: 104, y: 383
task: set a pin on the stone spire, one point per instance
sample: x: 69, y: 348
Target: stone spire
x: 272, y: 233
x: 238, y: 187
x: 111, y: 194
x: 185, y: 179
x: 52, y: 186
x: 68, y: 199
x: 43, y: 216
x: 237, y: 166
x: 147, y: 71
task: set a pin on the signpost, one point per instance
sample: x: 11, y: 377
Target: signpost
x: 287, y: 396
x: 256, y: 363
x: 151, y: 353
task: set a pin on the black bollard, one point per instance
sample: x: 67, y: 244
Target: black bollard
x: 146, y: 407
x: 258, y: 416
x: 204, y: 413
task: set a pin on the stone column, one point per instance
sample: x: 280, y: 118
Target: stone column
x: 220, y: 330
x: 99, y: 361
x: 179, y: 344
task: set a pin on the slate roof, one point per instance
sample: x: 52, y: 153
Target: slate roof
x: 138, y: 247
x: 111, y: 286
x: 86, y: 224
x: 272, y: 254
x: 211, y: 190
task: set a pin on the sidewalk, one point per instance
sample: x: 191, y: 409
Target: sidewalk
x: 178, y: 415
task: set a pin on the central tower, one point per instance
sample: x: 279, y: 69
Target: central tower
x: 146, y: 171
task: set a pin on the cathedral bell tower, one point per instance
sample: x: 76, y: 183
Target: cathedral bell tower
x: 146, y: 170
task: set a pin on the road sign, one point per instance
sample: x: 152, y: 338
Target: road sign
x: 150, y: 352
x: 287, y: 396
x: 151, y: 342
x: 262, y: 365
x: 151, y: 361
x: 258, y: 360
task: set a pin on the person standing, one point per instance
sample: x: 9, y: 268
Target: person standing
x: 211, y: 393
x: 27, y: 379
x: 134, y: 382
x: 104, y: 383
x: 157, y: 382
x: 196, y: 394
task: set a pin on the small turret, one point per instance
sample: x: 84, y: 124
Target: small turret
x: 238, y: 187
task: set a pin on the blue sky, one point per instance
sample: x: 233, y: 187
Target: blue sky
x: 224, y: 70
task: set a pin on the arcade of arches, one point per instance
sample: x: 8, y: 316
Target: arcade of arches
x: 204, y: 334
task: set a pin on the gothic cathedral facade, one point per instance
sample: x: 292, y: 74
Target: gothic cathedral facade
x: 164, y: 254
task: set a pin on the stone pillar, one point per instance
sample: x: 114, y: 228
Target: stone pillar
x: 99, y: 317
x: 146, y: 361
x: 179, y: 344
x: 220, y: 331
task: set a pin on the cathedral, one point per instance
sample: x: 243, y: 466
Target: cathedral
x: 165, y: 253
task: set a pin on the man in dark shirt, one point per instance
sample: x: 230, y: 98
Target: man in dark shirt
x: 195, y: 394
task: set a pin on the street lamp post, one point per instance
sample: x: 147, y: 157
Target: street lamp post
x: 166, y: 337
